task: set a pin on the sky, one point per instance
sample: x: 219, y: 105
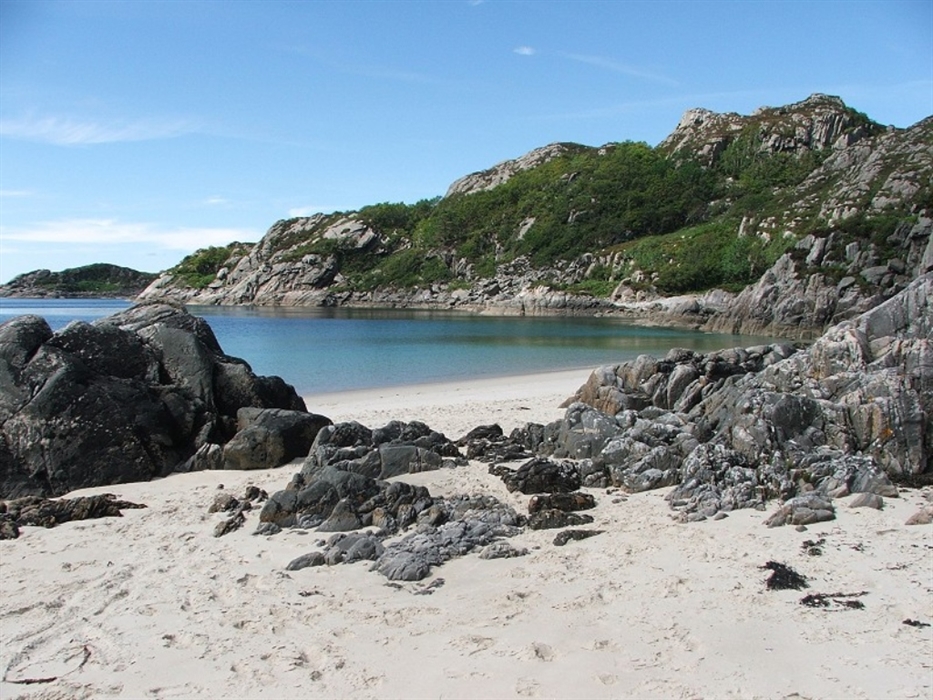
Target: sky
x: 137, y: 132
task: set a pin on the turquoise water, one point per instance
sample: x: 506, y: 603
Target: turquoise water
x: 324, y: 350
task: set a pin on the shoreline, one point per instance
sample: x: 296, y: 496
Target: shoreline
x: 456, y: 407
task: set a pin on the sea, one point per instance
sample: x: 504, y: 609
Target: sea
x: 321, y: 350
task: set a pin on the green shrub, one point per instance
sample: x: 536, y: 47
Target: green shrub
x: 200, y: 268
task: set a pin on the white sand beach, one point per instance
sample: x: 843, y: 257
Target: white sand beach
x: 152, y: 605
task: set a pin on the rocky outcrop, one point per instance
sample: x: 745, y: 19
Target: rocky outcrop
x: 816, y: 123
x: 98, y: 280
x: 826, y: 280
x: 848, y: 414
x: 503, y: 172
x: 342, y: 486
x: 127, y: 398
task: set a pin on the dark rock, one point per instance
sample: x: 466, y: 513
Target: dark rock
x: 566, y: 536
x: 561, y: 501
x: 393, y: 450
x: 267, y: 529
x: 234, y: 522
x: 541, y: 476
x: 552, y: 518
x: 341, y: 519
x: 304, y: 561
x: 224, y: 502
x: 254, y: 448
x: 355, y: 547
x: 487, y: 443
x: 396, y: 460
x: 127, y: 398
x: 208, y: 456
x: 44, y: 512
x: 482, y: 432
x: 584, y: 431
x: 847, y: 415
x: 9, y: 529
x: 297, y: 429
x: 403, y: 566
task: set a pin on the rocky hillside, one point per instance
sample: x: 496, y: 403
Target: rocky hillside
x: 98, y: 280
x: 823, y: 211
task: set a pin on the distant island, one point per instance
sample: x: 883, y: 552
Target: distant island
x: 97, y: 280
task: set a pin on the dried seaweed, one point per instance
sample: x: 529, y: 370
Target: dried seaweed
x: 844, y: 601
x: 784, y: 578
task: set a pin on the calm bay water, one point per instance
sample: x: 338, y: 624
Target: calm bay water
x: 324, y: 350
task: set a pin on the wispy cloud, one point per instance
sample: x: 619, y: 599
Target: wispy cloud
x: 623, y: 68
x: 216, y: 201
x: 16, y: 193
x: 367, y: 71
x: 114, y: 232
x: 65, y: 131
x: 524, y: 50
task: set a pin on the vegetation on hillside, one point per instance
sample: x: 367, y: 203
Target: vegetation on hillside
x: 201, y: 267
x: 668, y: 219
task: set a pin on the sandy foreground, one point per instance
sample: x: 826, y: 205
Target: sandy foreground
x: 151, y: 605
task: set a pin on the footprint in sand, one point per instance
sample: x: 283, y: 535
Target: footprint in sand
x: 543, y: 651
x: 527, y: 687
x: 473, y: 644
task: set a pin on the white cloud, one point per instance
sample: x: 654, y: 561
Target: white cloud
x: 216, y: 201
x: 524, y: 51
x: 15, y: 193
x: 622, y: 68
x: 113, y: 232
x: 72, y: 132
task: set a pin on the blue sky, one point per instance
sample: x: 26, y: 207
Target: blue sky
x: 136, y: 132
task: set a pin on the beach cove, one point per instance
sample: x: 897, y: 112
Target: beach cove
x: 666, y: 597
x: 152, y: 605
